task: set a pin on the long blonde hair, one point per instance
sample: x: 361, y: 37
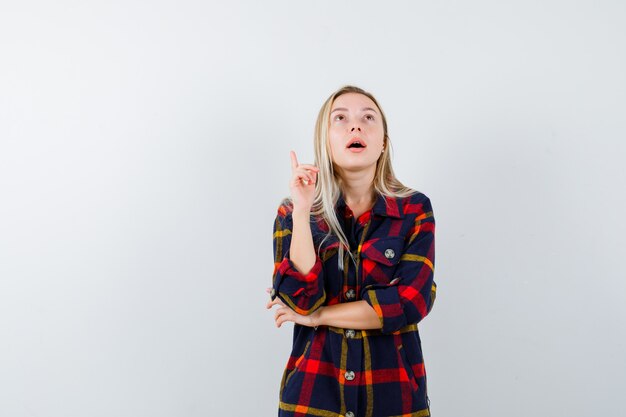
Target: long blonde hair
x: 329, y: 182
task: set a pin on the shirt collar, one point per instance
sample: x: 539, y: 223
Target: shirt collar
x: 384, y: 206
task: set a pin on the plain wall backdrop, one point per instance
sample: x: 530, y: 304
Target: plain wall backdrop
x: 144, y: 149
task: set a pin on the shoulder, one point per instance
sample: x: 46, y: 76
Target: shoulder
x: 418, y: 197
x: 285, y: 208
x: 284, y: 218
x: 417, y: 203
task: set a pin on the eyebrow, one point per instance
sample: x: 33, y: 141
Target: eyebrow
x: 344, y: 109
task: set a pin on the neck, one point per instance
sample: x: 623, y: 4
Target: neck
x: 358, y: 188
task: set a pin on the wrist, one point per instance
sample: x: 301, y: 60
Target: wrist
x: 301, y: 211
x: 316, y: 318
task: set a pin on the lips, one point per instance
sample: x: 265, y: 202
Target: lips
x: 357, y: 143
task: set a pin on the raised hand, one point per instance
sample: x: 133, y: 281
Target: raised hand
x: 302, y: 183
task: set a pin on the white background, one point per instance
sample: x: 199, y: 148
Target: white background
x: 144, y: 149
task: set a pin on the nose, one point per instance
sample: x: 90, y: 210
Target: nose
x: 355, y: 127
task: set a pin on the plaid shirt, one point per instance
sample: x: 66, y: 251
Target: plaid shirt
x: 338, y: 372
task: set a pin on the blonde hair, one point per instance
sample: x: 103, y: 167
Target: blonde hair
x: 329, y: 183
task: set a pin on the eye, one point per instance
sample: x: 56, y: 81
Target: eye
x: 339, y: 115
x: 370, y: 117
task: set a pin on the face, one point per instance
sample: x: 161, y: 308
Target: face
x: 355, y: 117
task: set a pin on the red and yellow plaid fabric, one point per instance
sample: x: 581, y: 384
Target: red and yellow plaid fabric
x: 351, y: 372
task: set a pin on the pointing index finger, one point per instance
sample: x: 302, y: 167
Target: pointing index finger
x: 294, y: 160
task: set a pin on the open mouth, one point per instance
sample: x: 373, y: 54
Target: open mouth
x: 356, y: 143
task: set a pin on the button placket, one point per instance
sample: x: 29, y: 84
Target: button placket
x: 352, y: 284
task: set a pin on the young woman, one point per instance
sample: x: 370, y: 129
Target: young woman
x: 354, y: 254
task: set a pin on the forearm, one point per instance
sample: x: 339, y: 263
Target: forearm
x: 354, y: 315
x: 302, y: 251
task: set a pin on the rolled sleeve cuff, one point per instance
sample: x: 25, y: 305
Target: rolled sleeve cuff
x: 304, y: 293
x: 387, y: 305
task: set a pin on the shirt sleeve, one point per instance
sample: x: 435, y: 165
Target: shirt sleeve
x: 410, y: 295
x: 303, y: 293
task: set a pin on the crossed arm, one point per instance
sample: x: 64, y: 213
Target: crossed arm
x: 408, y: 298
x: 353, y: 315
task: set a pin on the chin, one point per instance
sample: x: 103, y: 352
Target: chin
x: 355, y: 166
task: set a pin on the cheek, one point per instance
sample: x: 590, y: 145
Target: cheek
x: 334, y: 140
x: 378, y: 134
x: 378, y: 129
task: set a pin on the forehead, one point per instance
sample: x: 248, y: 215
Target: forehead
x: 353, y: 101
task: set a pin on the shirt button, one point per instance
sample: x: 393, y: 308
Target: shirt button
x: 350, y: 294
x: 273, y: 293
x: 350, y: 333
x: 349, y: 414
x: 393, y: 281
x: 389, y: 253
x: 349, y: 375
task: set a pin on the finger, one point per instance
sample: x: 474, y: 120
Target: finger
x: 280, y: 320
x: 304, y: 173
x: 283, y: 312
x: 300, y: 174
x: 307, y: 180
x: 301, y: 178
x: 294, y: 160
x: 279, y: 312
x: 296, y: 182
x: 276, y: 301
x: 308, y: 170
x: 309, y: 166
